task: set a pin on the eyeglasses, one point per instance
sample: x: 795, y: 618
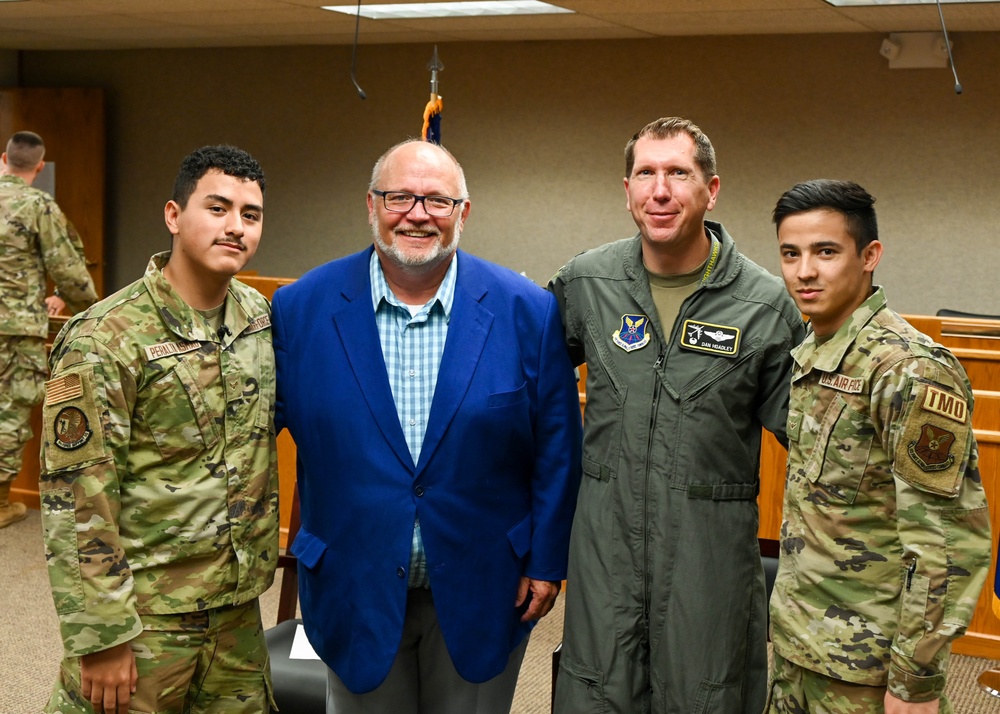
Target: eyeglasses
x: 403, y: 202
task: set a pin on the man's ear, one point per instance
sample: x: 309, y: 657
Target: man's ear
x: 171, y: 213
x: 871, y: 255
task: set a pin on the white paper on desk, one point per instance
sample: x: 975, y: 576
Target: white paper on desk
x: 301, y: 649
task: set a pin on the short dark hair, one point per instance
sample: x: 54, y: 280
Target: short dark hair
x: 667, y: 128
x: 845, y: 197
x: 228, y: 159
x: 24, y: 150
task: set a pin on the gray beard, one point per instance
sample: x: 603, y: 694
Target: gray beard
x: 416, y: 264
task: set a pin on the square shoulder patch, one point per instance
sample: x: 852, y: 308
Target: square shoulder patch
x: 931, y: 451
x: 71, y: 421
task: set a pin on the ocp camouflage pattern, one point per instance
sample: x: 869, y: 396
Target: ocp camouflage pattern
x: 885, y: 542
x: 159, y: 472
x: 37, y: 240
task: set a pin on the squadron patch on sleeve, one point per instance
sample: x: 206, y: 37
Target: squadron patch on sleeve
x: 74, y: 435
x: 71, y: 429
x: 632, y: 334
x: 931, y: 451
x: 707, y: 337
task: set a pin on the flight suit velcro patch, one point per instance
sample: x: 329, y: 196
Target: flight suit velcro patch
x: 932, y: 449
x: 71, y: 421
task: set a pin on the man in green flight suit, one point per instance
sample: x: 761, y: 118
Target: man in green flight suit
x: 159, y: 474
x: 687, y: 349
x: 885, y: 542
x: 36, y: 241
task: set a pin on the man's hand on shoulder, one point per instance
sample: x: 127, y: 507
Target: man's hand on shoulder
x: 543, y: 597
x: 108, y: 678
x: 894, y: 705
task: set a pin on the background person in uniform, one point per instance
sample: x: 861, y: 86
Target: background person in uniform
x: 686, y: 343
x: 159, y: 475
x: 437, y: 421
x: 885, y: 542
x: 36, y: 241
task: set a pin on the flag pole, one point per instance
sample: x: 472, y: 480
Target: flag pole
x: 432, y: 112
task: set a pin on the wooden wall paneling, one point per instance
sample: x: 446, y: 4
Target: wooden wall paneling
x: 71, y: 121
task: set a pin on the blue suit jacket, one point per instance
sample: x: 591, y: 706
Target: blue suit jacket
x: 495, y: 487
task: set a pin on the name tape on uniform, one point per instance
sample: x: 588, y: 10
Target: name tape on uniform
x: 707, y: 337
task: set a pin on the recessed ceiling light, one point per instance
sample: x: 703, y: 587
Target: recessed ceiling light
x: 449, y: 9
x: 882, y: 3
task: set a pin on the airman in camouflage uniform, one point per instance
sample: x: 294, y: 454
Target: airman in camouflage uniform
x: 886, y: 538
x: 159, y: 483
x: 36, y: 241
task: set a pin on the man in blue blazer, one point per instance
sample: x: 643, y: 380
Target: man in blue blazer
x: 438, y: 427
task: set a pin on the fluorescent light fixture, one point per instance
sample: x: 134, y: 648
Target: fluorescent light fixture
x: 400, y: 11
x: 887, y: 3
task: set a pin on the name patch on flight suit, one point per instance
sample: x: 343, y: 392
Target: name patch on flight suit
x: 632, y: 334
x: 851, y: 385
x: 708, y: 337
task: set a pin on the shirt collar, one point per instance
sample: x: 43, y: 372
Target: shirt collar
x: 381, y: 291
x: 827, y: 357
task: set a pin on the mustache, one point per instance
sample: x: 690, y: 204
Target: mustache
x: 236, y: 243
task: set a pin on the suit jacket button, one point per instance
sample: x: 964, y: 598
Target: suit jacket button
x: 419, y: 490
x: 400, y: 572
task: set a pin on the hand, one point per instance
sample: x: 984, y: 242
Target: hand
x: 894, y: 705
x: 108, y: 679
x: 543, y: 597
x: 54, y: 305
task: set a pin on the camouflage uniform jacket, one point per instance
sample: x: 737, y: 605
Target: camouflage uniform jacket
x: 35, y: 240
x: 159, y: 472
x: 886, y: 537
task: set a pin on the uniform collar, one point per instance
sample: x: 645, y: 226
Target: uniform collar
x: 827, y: 357
x: 717, y: 269
x: 183, y: 320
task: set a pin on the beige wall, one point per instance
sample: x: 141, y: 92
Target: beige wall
x: 540, y: 126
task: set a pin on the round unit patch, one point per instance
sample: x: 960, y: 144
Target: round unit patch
x: 71, y: 429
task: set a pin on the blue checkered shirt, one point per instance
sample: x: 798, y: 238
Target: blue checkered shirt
x: 412, y: 346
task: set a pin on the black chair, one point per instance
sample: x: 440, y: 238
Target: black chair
x: 768, y: 558
x: 299, y: 684
x: 944, y: 312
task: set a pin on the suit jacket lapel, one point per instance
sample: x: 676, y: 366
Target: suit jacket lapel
x: 354, y: 320
x: 467, y: 332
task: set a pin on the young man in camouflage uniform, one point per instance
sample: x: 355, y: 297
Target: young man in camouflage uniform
x: 159, y: 481
x: 886, y: 537
x: 36, y: 241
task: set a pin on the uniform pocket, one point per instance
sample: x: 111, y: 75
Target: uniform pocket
x: 61, y: 554
x: 177, y: 416
x: 840, y: 455
x: 581, y: 689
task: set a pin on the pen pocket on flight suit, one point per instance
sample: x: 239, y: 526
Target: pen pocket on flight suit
x: 840, y: 454
x: 604, y: 411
